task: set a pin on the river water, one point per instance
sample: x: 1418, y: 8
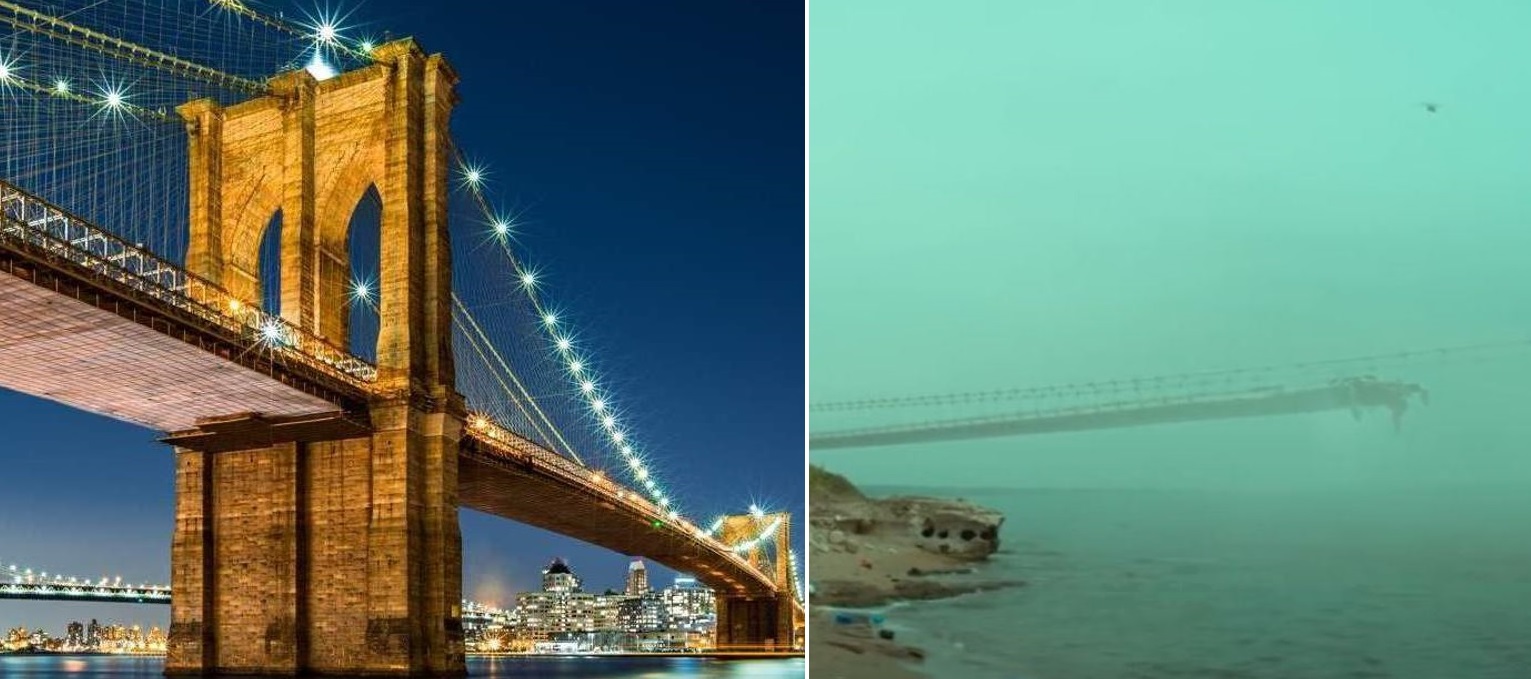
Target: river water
x: 121, y: 667
x: 1223, y: 585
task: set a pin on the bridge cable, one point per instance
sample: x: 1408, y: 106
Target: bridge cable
x: 478, y: 349
x: 306, y: 32
x: 115, y: 48
x: 52, y: 92
x: 636, y: 467
x: 473, y: 325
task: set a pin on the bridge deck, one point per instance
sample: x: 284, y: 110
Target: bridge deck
x: 63, y: 349
x: 1256, y: 403
x: 520, y: 487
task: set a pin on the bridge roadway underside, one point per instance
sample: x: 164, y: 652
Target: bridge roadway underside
x: 84, y: 344
x: 522, y: 493
x: 749, y: 615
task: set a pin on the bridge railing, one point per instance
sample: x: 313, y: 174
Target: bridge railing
x: 507, y: 442
x: 30, y: 220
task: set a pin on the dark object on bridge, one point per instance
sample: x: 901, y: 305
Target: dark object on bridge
x: 1367, y: 390
x: 885, y: 634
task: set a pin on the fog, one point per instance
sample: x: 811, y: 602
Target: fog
x: 1027, y: 194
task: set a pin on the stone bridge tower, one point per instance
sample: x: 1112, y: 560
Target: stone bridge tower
x: 337, y: 551
x: 744, y: 622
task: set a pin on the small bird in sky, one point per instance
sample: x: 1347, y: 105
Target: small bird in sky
x: 1430, y: 106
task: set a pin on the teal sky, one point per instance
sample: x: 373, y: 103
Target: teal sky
x: 1009, y: 194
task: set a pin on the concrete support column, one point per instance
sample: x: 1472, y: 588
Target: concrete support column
x: 237, y: 553
x: 754, y: 623
x: 412, y: 610
x: 783, y: 546
x: 401, y: 341
x: 334, y: 300
x: 440, y: 96
x: 323, y: 558
x: 204, y: 131
x: 443, y: 543
x: 191, y: 642
x: 300, y: 246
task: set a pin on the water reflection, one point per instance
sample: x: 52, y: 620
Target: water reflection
x: 122, y: 667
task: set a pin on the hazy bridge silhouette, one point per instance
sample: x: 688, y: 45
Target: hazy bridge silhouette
x: 1317, y: 386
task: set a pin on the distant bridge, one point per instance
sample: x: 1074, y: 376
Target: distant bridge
x: 1227, y: 394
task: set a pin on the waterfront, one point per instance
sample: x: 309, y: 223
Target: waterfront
x: 1250, y: 585
x: 127, y: 667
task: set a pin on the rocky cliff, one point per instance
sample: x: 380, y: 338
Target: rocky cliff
x: 868, y: 552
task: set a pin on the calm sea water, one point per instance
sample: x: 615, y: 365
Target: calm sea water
x: 92, y: 667
x: 1186, y: 585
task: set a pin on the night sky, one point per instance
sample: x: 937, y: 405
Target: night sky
x: 658, y: 147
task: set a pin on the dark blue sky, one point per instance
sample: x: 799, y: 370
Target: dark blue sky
x: 658, y: 148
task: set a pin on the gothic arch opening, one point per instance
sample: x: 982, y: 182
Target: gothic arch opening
x: 364, y: 252
x: 269, y: 266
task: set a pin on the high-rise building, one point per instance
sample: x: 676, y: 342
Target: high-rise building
x: 557, y: 577
x: 563, y: 617
x: 688, y: 606
x: 637, y: 578
x: 560, y: 610
x: 644, y: 613
x: 74, y: 636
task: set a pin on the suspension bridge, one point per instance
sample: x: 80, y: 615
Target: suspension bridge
x: 18, y: 582
x: 182, y: 206
x: 1350, y: 385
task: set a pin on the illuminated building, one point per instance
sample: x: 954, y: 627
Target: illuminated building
x: 563, y: 618
x: 557, y: 577
x: 637, y: 578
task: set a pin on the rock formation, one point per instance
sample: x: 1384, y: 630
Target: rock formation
x: 868, y: 552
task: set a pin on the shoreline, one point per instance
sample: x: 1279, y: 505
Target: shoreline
x: 872, y: 554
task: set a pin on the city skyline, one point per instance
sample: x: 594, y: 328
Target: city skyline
x: 632, y: 581
x: 610, y: 134
x: 565, y: 615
